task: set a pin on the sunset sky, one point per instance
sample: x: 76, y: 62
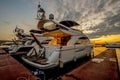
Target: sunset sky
x: 99, y: 19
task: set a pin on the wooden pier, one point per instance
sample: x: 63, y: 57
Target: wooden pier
x: 102, y: 67
x: 10, y: 69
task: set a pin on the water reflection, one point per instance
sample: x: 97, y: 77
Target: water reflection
x: 98, y: 50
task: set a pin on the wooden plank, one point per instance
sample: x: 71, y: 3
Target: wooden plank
x: 102, y: 67
x: 10, y: 69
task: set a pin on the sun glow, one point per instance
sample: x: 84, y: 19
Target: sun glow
x: 105, y: 39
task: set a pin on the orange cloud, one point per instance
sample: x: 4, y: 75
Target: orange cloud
x: 105, y: 39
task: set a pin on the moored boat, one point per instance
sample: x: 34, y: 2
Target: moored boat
x: 59, y: 43
x: 113, y: 45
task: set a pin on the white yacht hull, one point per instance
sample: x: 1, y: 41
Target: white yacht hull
x: 61, y: 56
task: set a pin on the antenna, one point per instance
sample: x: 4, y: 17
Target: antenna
x: 51, y: 16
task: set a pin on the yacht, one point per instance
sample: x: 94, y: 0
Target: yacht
x: 58, y: 44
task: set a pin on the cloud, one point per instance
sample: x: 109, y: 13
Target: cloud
x: 110, y: 26
x: 96, y: 17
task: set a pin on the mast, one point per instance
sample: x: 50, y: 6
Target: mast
x: 40, y: 13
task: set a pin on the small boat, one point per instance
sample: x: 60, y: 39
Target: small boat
x: 59, y: 43
x: 20, y: 44
x: 113, y: 45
